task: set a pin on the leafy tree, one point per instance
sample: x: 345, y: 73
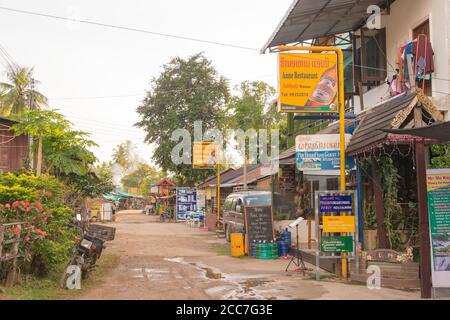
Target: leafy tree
x: 68, y: 153
x: 250, y: 108
x: 41, y: 124
x: 142, y: 177
x: 440, y: 156
x: 254, y: 108
x: 19, y: 95
x: 187, y: 90
x: 104, y: 171
x: 125, y: 154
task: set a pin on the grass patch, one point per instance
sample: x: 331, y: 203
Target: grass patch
x: 221, y: 249
x: 224, y: 250
x: 321, y: 277
x: 31, y: 288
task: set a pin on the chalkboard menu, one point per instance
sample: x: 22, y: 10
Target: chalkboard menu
x: 259, y: 223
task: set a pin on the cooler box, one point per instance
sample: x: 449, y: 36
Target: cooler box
x: 237, y: 244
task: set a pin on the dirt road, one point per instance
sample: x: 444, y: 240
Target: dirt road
x: 173, y: 261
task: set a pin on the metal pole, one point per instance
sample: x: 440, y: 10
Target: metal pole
x: 316, y: 198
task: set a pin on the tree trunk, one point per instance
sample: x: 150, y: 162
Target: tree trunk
x: 39, y: 158
x: 379, y: 205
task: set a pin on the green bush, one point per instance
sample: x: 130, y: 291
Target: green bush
x: 39, y: 202
x: 55, y: 248
x: 16, y: 192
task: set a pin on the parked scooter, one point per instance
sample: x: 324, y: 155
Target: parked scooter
x: 86, y: 252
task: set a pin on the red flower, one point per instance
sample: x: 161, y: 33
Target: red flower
x: 15, y: 204
x: 28, y: 209
x: 7, y: 206
x: 27, y: 239
x: 38, y: 231
x: 44, y: 234
x: 16, y: 230
x: 48, y: 194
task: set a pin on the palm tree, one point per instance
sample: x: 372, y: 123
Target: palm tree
x: 19, y: 95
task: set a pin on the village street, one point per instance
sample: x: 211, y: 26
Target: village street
x: 174, y: 261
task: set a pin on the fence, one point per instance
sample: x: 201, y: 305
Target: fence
x: 13, y: 253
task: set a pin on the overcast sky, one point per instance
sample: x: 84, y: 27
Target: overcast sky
x: 97, y: 76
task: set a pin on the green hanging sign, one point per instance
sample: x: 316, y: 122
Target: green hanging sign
x: 336, y: 244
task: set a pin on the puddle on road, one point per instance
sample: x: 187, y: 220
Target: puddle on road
x: 233, y: 286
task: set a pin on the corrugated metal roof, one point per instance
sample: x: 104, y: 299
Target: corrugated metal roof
x: 439, y: 131
x: 369, y: 132
x: 288, y: 156
x: 213, y: 179
x: 310, y: 19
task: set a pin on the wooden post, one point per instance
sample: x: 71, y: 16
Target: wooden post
x: 12, y: 275
x: 379, y: 205
x: 1, y: 242
x: 422, y: 195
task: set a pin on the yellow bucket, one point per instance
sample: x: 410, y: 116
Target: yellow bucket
x: 237, y: 244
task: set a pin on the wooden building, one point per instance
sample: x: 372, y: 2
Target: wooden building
x: 378, y: 150
x: 14, y: 150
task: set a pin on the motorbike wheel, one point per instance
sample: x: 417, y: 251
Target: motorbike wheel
x: 65, y: 275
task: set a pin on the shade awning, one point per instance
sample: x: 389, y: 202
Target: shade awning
x: 311, y: 19
x: 439, y: 131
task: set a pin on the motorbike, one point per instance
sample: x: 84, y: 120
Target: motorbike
x: 85, y: 252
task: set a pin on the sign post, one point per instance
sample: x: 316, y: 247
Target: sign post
x: 321, y: 97
x: 335, y: 210
x: 206, y: 155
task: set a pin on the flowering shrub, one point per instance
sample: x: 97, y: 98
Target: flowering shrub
x: 38, y: 203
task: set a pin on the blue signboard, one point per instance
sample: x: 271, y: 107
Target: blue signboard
x: 321, y: 152
x: 186, y: 202
x: 335, y: 204
x: 322, y: 160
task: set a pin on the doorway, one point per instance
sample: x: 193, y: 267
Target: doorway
x: 424, y: 28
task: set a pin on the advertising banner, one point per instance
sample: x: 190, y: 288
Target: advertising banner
x: 201, y: 199
x: 186, y: 201
x: 336, y: 244
x: 321, y: 152
x: 205, y: 155
x: 339, y: 224
x: 336, y: 204
x: 438, y: 185
x: 308, y: 83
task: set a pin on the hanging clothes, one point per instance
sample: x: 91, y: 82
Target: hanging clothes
x: 400, y: 64
x: 407, y: 55
x: 423, y: 53
x: 396, y: 86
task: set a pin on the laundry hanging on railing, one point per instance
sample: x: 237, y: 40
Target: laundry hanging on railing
x: 419, y: 53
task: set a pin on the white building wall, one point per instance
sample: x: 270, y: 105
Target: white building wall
x: 405, y: 16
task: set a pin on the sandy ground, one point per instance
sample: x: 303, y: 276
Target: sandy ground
x: 174, y: 261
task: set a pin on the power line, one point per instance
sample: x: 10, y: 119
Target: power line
x: 7, y: 57
x: 129, y: 29
x: 98, y: 97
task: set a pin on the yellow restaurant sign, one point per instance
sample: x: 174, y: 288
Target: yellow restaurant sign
x: 308, y: 82
x: 339, y: 224
x: 205, y: 155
